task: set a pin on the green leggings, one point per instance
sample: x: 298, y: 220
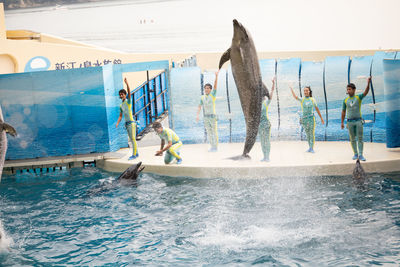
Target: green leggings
x: 173, y: 152
x: 265, y: 133
x: 131, y: 129
x: 309, y: 127
x: 210, y: 122
x: 356, y: 136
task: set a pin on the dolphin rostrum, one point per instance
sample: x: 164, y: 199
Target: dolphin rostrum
x: 132, y: 172
x: 247, y: 75
x: 4, y: 128
x: 127, y: 178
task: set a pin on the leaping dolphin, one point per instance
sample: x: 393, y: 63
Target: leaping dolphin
x: 247, y: 76
x: 4, y: 128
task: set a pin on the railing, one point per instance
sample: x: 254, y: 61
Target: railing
x: 150, y: 102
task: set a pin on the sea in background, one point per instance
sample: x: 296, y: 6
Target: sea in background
x: 170, y: 26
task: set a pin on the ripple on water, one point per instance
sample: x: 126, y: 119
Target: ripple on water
x: 54, y: 219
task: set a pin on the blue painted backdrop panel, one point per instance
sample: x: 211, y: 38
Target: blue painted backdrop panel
x: 268, y: 72
x: 56, y: 113
x: 379, y: 128
x: 288, y: 71
x: 312, y: 74
x: 336, y: 80
x: 185, y: 98
x: 117, y: 137
x: 238, y: 122
x: 392, y: 101
x: 360, y: 70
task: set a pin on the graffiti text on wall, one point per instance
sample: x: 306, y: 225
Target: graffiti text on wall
x: 85, y: 64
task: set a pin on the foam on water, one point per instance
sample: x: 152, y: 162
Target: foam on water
x: 182, y: 221
x: 5, y: 240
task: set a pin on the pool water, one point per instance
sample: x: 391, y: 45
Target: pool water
x: 62, y: 218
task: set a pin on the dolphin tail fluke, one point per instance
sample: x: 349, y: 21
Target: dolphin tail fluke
x: 240, y: 157
x: 265, y: 91
x: 8, y: 128
x: 225, y: 57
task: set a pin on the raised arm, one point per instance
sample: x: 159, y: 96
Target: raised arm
x: 272, y: 88
x: 367, y: 89
x: 216, y: 80
x: 129, y: 89
x: 293, y: 94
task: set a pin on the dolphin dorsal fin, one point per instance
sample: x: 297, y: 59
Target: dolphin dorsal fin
x: 225, y: 57
x: 9, y: 129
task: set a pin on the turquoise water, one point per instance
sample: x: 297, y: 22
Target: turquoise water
x: 56, y: 219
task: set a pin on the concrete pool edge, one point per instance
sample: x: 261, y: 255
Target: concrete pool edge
x: 333, y: 158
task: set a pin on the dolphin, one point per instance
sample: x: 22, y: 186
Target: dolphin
x: 128, y: 177
x: 132, y: 172
x: 4, y: 128
x: 247, y: 76
x: 358, y: 172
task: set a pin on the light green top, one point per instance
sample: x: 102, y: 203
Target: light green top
x: 307, y: 106
x: 169, y: 136
x: 264, y: 110
x: 352, y: 106
x: 126, y: 109
x: 208, y: 102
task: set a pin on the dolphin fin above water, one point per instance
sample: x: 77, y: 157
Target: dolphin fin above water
x: 4, y: 129
x: 247, y: 75
x: 8, y: 129
x: 226, y: 56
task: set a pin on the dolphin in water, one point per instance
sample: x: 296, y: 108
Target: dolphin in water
x: 128, y: 177
x: 132, y: 172
x: 4, y: 128
x: 247, y: 76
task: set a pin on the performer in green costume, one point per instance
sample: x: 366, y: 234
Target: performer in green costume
x: 352, y: 106
x: 264, y: 129
x: 130, y: 123
x: 308, y: 104
x: 207, y: 101
x: 173, y: 146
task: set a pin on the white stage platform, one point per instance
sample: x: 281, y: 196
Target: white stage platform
x: 288, y: 158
